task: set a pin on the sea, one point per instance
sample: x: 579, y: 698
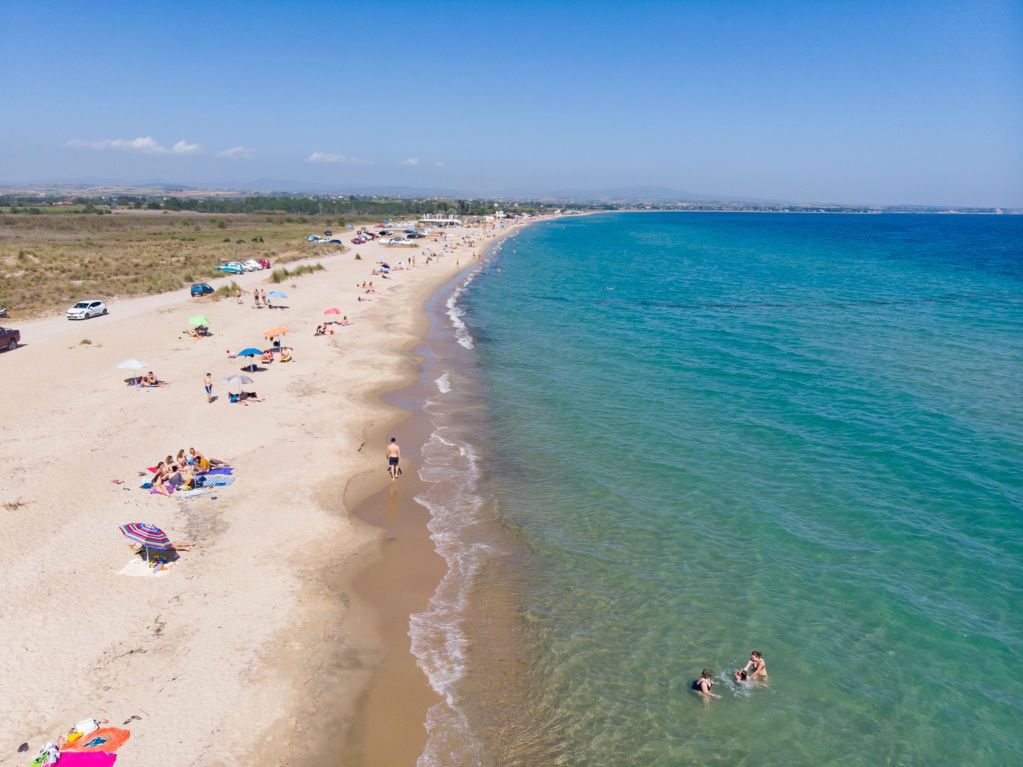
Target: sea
x: 663, y: 440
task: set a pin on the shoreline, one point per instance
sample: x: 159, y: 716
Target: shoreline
x: 404, y: 570
x: 254, y: 620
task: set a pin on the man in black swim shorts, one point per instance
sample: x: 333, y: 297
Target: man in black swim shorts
x: 393, y: 457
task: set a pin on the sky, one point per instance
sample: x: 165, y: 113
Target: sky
x: 854, y: 102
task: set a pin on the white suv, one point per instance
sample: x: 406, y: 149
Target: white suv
x: 85, y: 309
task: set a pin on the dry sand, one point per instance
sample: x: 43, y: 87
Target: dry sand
x: 225, y: 658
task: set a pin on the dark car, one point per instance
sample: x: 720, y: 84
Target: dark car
x: 201, y: 289
x: 9, y: 339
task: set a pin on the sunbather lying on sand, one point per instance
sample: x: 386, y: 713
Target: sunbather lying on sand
x: 202, y: 461
x: 249, y: 396
x: 286, y: 354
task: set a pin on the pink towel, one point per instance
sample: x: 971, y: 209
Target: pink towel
x: 86, y: 759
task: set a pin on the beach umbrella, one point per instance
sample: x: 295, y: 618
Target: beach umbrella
x: 147, y: 536
x: 250, y: 352
x: 240, y: 380
x: 197, y: 320
x: 277, y: 294
x: 272, y: 332
x: 332, y: 310
x: 385, y: 265
x: 133, y: 364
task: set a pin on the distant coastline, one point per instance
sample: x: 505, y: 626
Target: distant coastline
x: 156, y: 196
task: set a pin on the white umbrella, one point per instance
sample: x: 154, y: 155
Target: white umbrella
x: 133, y: 364
x: 238, y: 380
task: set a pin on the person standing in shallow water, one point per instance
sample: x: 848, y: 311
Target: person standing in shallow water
x: 755, y: 668
x: 393, y: 457
x: 702, y: 685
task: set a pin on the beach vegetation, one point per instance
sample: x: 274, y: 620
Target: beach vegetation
x: 280, y: 275
x: 49, y: 261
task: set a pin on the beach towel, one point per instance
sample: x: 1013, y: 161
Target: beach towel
x: 86, y: 759
x: 170, y: 489
x: 218, y: 480
x: 192, y: 493
x: 222, y: 470
x: 105, y: 739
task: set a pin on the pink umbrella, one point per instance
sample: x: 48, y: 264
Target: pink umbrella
x: 333, y: 310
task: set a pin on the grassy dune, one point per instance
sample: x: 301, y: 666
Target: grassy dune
x: 47, y: 262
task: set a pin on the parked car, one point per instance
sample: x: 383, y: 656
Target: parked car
x: 3, y: 311
x: 265, y: 263
x: 384, y: 232
x: 358, y: 240
x: 9, y: 338
x: 231, y: 267
x: 335, y: 241
x: 85, y: 309
x: 252, y: 265
x: 397, y: 241
x: 415, y: 235
x: 201, y: 289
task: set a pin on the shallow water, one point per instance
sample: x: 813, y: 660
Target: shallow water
x: 674, y: 438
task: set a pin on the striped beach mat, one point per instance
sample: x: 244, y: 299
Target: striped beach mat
x: 218, y: 480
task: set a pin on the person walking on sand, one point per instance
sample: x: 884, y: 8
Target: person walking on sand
x: 255, y: 298
x: 208, y: 386
x: 702, y: 685
x: 755, y: 668
x: 393, y: 457
x: 238, y: 295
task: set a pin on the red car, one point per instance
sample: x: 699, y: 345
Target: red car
x: 265, y: 263
x: 358, y: 240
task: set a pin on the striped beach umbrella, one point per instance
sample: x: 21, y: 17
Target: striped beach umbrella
x: 147, y: 536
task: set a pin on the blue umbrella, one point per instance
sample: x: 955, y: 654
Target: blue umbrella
x: 250, y: 352
x: 277, y: 294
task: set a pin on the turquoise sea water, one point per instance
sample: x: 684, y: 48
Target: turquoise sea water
x: 694, y: 435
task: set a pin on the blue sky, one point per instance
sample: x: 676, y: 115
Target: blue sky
x: 848, y: 102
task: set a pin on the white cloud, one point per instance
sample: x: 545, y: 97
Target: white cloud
x: 336, y: 159
x: 410, y: 161
x: 183, y: 147
x: 236, y: 153
x: 142, y: 144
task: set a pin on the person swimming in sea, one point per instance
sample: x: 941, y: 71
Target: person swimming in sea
x: 755, y: 668
x: 702, y: 685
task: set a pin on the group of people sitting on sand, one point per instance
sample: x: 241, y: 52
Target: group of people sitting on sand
x: 286, y: 354
x: 199, y: 331
x: 755, y: 670
x: 149, y: 380
x: 182, y: 471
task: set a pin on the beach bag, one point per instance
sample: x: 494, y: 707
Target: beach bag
x: 200, y: 481
x: 86, y: 726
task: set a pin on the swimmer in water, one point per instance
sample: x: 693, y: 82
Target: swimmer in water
x: 702, y: 685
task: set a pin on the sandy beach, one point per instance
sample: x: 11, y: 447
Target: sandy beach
x: 228, y: 654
